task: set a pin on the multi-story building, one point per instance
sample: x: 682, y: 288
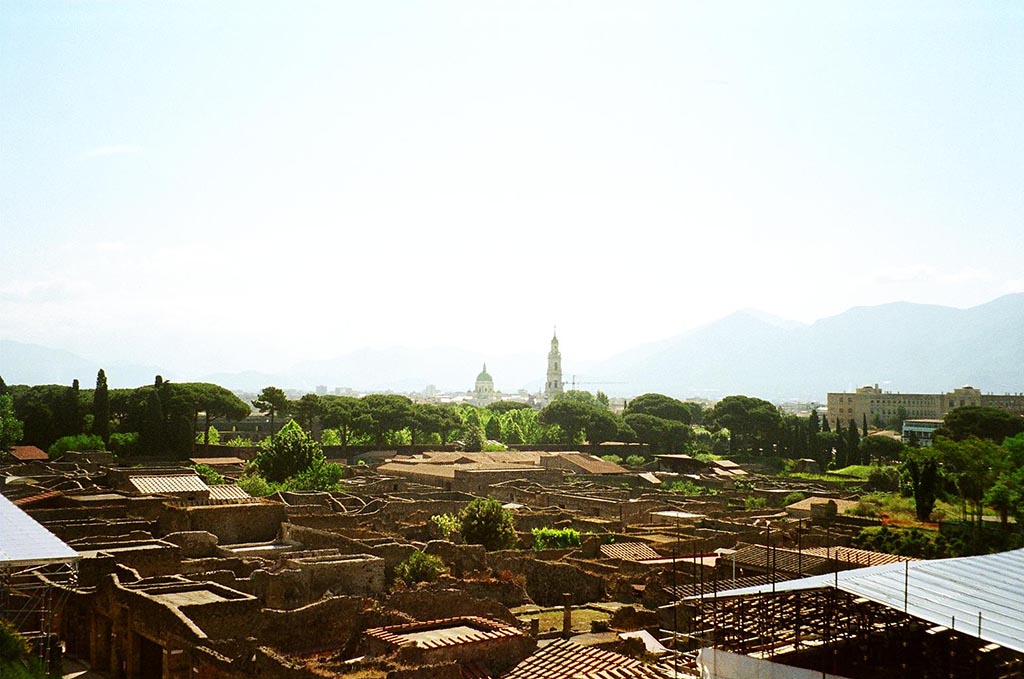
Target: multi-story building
x: 885, y: 406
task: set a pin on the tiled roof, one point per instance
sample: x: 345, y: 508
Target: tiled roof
x: 39, y: 497
x: 469, y: 629
x: 781, y: 560
x: 629, y: 551
x: 217, y: 461
x: 563, y: 659
x: 27, y: 453
x: 591, y: 464
x: 169, y: 483
x: 474, y: 670
x: 228, y: 491
x: 859, y: 557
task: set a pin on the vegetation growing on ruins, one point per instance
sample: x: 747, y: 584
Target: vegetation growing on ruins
x: 555, y: 538
x: 419, y: 567
x: 485, y: 522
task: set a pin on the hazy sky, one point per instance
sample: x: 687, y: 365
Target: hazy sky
x: 242, y: 185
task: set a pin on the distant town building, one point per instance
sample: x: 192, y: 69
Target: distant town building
x: 483, y: 391
x: 885, y: 406
x: 920, y: 432
x: 553, y: 384
x: 321, y: 390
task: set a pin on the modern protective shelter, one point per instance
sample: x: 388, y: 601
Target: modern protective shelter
x: 32, y: 561
x: 940, y: 618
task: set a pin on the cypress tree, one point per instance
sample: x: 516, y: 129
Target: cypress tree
x: 841, y: 451
x: 852, y: 443
x: 864, y: 425
x: 824, y: 424
x: 101, y: 407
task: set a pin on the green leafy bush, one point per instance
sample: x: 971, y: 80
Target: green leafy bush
x: 687, y: 487
x: 447, y: 523
x: 793, y: 498
x: 288, y: 453
x: 485, y: 522
x: 76, y: 442
x: 256, y: 485
x: 125, y: 444
x: 319, y: 475
x: 555, y: 538
x: 208, y: 474
x: 753, y: 503
x: 238, y: 442
x: 615, y: 459
x: 419, y: 567
x: 636, y: 460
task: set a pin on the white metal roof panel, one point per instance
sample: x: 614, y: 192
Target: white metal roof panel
x: 982, y: 596
x: 24, y: 541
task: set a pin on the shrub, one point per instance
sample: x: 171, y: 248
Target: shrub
x: 13, y: 646
x: 208, y: 474
x: 753, y: 503
x: 485, y: 522
x: 288, y: 453
x: 256, y: 485
x: 863, y: 509
x: 125, y: 444
x: 319, y: 475
x: 77, y: 442
x: 214, y: 436
x: 493, y: 447
x: 884, y: 477
x: 419, y: 567
x: 793, y: 498
x: 447, y: 523
x: 636, y: 460
x: 238, y: 442
x: 615, y: 459
x: 555, y: 538
x: 687, y: 487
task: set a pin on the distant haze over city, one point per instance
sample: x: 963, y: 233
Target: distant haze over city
x: 903, y: 347
x: 213, y: 188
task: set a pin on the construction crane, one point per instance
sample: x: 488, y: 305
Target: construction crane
x: 573, y: 383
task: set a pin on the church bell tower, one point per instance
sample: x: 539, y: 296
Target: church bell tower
x: 553, y: 385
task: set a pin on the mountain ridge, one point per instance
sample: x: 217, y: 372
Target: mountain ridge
x: 903, y: 345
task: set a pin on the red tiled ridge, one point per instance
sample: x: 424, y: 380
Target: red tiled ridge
x: 39, y: 497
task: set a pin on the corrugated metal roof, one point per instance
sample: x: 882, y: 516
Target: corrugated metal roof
x: 169, y: 483
x: 965, y: 593
x: 228, y: 491
x: 23, y: 541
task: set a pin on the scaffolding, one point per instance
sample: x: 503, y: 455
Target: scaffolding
x: 37, y: 572
x: 31, y: 595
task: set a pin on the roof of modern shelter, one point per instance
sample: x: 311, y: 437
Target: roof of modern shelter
x: 25, y: 542
x: 976, y: 595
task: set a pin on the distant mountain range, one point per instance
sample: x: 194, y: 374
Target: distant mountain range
x: 901, y: 346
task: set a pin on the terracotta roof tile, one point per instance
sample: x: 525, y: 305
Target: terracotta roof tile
x: 564, y: 659
x: 169, y: 483
x: 629, y: 551
x: 27, y: 453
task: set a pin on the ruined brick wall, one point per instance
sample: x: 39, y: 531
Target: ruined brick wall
x: 546, y: 581
x: 232, y: 524
x: 327, y: 624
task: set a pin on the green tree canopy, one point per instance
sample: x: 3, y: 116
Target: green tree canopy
x: 388, y: 413
x: 271, y: 401
x: 880, y: 448
x: 981, y: 422
x: 11, y: 428
x: 485, y: 522
x: 505, y: 406
x: 664, y: 436
x: 659, y: 405
x: 753, y: 422
x: 306, y: 410
x: 290, y: 452
x: 348, y: 415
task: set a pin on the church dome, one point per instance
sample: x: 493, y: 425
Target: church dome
x: 484, y: 376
